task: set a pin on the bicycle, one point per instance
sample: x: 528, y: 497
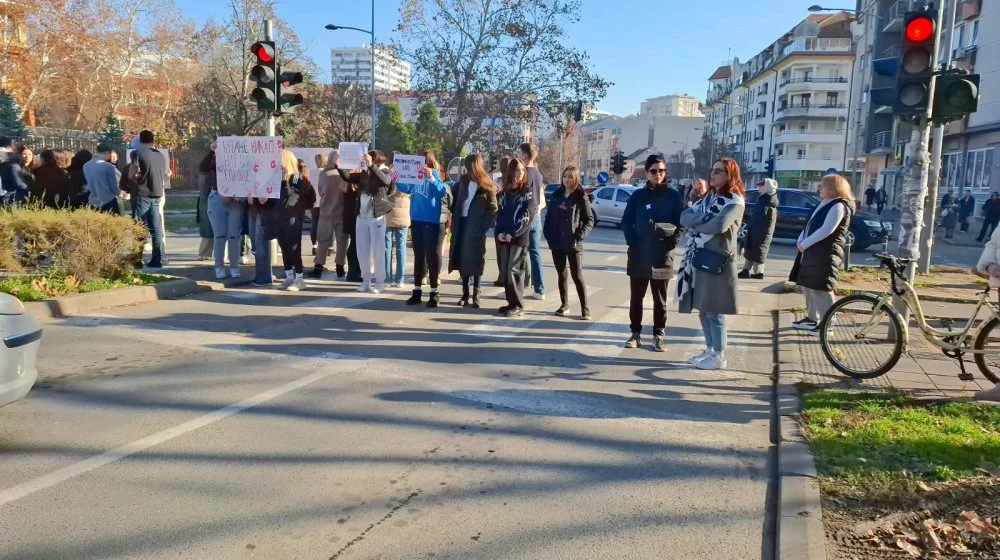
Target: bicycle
x: 863, y: 336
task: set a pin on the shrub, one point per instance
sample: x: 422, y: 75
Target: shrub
x: 84, y: 244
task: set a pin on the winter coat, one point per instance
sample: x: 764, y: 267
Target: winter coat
x: 297, y: 196
x: 207, y: 182
x: 760, y: 228
x: 426, y: 199
x: 715, y: 293
x: 818, y: 268
x: 12, y: 178
x: 514, y: 218
x: 647, y: 213
x: 374, y: 181
x: 949, y: 216
x: 567, y: 234
x: 53, y: 182
x: 967, y: 208
x: 399, y: 216
x: 991, y: 210
x: 330, y: 194
x: 468, y: 241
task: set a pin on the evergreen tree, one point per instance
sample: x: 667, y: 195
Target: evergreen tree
x: 391, y: 133
x: 428, y: 129
x: 11, y: 124
x: 113, y: 134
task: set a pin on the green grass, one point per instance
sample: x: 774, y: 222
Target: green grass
x: 189, y: 203
x: 863, y: 438
x: 179, y: 223
x: 21, y: 286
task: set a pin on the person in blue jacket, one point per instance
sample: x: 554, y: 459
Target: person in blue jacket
x: 425, y: 227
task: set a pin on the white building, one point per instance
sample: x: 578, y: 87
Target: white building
x: 600, y: 139
x: 671, y: 106
x: 353, y: 66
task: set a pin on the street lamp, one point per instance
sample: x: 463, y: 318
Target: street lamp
x: 818, y: 8
x: 371, y: 32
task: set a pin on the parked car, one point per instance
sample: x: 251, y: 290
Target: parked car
x: 21, y: 336
x: 549, y: 189
x: 609, y: 203
x: 795, y: 207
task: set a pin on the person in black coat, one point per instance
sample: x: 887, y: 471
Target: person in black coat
x: 513, y: 234
x: 991, y: 217
x: 651, y: 224
x: 297, y: 196
x: 760, y: 230
x: 568, y: 221
x: 966, y: 208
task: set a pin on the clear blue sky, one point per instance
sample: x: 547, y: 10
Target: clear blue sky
x: 646, y: 47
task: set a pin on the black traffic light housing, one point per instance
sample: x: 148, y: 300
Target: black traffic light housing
x: 287, y: 99
x: 578, y: 112
x: 618, y: 163
x: 956, y: 95
x: 916, y: 63
x: 264, y: 73
x: 769, y: 167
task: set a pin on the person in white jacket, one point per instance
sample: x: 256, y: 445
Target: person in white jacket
x: 989, y: 263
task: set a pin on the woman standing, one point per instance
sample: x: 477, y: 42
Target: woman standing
x: 513, y: 233
x: 426, y: 213
x: 52, y: 180
x: 297, y: 197
x: 314, y: 213
x: 473, y: 214
x: 760, y: 229
x: 226, y: 217
x: 397, y: 228
x: 78, y: 195
x: 504, y: 164
x: 567, y: 223
x: 27, y: 167
x: 330, y: 229
x: 206, y: 184
x: 373, y: 187
x: 708, y: 276
x: 821, y: 249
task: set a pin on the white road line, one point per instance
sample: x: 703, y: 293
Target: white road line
x: 611, y: 257
x: 72, y: 471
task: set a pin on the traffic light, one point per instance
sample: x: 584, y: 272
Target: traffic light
x: 769, y: 167
x: 618, y: 163
x: 913, y: 69
x: 956, y: 95
x: 287, y: 100
x: 578, y: 113
x: 264, y: 73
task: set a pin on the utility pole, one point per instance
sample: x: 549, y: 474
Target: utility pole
x: 937, y: 144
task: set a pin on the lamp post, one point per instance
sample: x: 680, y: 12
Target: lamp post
x: 371, y: 32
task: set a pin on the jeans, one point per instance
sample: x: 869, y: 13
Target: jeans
x: 261, y: 249
x: 290, y: 241
x: 114, y: 207
x: 714, y: 327
x: 227, y: 223
x: 163, y: 227
x: 426, y: 253
x: 370, y: 236
x: 638, y: 288
x: 535, y: 251
x: 395, y: 237
x: 575, y: 261
x: 147, y: 211
x: 513, y: 273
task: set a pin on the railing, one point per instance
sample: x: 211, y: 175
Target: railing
x: 823, y: 157
x: 807, y: 108
x: 895, y: 11
x: 882, y: 140
x: 816, y: 44
x: 814, y: 81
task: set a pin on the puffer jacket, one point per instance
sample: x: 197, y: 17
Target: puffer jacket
x: 567, y: 234
x: 818, y: 268
x: 517, y: 210
x: 399, y: 216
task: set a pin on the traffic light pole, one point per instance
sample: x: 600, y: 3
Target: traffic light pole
x: 269, y: 120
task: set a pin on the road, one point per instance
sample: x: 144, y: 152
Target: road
x: 330, y: 424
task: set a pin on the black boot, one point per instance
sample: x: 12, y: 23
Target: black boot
x: 432, y: 301
x: 475, y: 298
x: 317, y: 271
x: 464, y: 302
x: 340, y: 272
x: 415, y: 298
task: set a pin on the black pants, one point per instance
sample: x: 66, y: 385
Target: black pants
x: 353, y: 265
x: 426, y: 257
x: 290, y: 242
x: 113, y: 207
x: 314, y: 224
x: 988, y: 227
x: 515, y: 260
x: 500, y: 265
x: 575, y: 261
x: 659, y: 288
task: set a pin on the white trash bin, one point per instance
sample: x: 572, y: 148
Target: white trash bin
x: 21, y: 335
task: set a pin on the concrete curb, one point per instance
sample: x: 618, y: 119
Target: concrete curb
x: 800, y: 532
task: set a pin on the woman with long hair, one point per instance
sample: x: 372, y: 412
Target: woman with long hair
x: 28, y: 170
x: 708, y: 276
x: 474, y: 212
x: 504, y: 164
x: 373, y: 186
x: 52, y: 180
x: 567, y: 223
x: 513, y: 234
x: 207, y: 181
x: 225, y: 216
x: 78, y: 195
x: 297, y: 197
x: 821, y: 249
x: 426, y: 201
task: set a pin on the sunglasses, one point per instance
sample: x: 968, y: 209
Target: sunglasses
x: 718, y: 171
x: 660, y: 171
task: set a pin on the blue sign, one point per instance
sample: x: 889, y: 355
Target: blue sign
x: 603, y: 178
x: 831, y: 171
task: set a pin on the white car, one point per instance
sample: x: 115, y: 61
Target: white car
x: 21, y: 336
x: 609, y: 203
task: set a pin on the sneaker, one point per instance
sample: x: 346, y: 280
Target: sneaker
x: 758, y: 276
x: 713, y: 362
x: 433, y: 300
x: 316, y: 272
x: 633, y: 342
x: 540, y: 296
x: 562, y: 311
x: 699, y: 357
x: 378, y: 289
x: 743, y: 275
x: 287, y: 283
x: 585, y: 315
x: 364, y: 287
x: 297, y: 285
x: 513, y: 312
x: 416, y: 298
x: 220, y: 273
x: 244, y: 260
x: 503, y: 310
x: 257, y: 284
x: 234, y: 273
x: 498, y: 283
x: 658, y: 345
x: 805, y: 325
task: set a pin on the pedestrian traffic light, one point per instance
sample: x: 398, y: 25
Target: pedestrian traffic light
x: 956, y: 95
x: 916, y: 63
x: 264, y: 73
x: 287, y: 99
x: 769, y: 167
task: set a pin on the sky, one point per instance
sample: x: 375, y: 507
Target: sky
x: 647, y: 48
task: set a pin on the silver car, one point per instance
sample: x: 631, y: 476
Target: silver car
x: 609, y: 203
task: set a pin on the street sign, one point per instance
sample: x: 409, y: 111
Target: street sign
x: 603, y: 178
x: 831, y: 171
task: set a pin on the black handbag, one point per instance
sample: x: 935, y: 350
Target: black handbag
x: 712, y: 262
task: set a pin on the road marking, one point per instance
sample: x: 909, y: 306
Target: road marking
x: 77, y: 469
x: 611, y: 257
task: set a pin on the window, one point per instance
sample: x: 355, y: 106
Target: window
x: 605, y: 194
x: 951, y: 164
x: 622, y: 195
x: 978, y: 170
x: 794, y: 199
x: 831, y: 99
x: 800, y: 154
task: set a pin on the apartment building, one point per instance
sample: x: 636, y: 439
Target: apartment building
x: 354, y: 66
x: 600, y: 139
x: 788, y: 101
x: 671, y: 106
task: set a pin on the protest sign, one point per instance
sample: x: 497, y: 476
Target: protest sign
x: 352, y: 155
x: 248, y: 166
x: 408, y: 170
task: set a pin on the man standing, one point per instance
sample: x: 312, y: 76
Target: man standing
x: 946, y: 199
x: 966, y: 208
x: 528, y: 154
x: 150, y: 173
x: 991, y: 217
x: 103, y: 180
x: 870, y: 195
x: 13, y: 187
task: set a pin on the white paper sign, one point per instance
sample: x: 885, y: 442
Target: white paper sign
x: 408, y: 170
x: 248, y: 166
x: 352, y: 155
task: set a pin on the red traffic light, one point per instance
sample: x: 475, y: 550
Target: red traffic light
x: 920, y: 29
x: 263, y: 51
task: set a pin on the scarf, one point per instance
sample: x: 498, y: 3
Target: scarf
x: 710, y: 207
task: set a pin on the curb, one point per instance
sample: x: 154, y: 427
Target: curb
x: 800, y: 531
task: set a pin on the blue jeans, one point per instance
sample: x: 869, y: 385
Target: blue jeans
x: 397, y: 237
x: 535, y: 255
x: 147, y: 211
x: 714, y: 327
x: 261, y: 250
x: 227, y: 222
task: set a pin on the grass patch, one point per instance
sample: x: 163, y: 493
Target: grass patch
x: 189, y: 203
x: 180, y: 223
x: 27, y: 288
x: 872, y: 438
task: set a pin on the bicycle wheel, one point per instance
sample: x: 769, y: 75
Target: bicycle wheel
x: 989, y: 340
x: 860, y: 338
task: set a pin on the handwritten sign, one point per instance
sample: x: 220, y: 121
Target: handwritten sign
x: 408, y: 170
x: 248, y: 166
x: 352, y: 155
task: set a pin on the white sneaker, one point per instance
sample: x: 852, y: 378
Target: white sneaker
x: 234, y: 272
x: 713, y: 362
x: 539, y: 296
x: 699, y: 357
x: 220, y: 273
x: 287, y: 283
x: 298, y: 284
x: 244, y: 260
x: 805, y: 325
x: 378, y: 289
x: 364, y: 287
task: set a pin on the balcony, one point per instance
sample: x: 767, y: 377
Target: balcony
x: 806, y: 162
x: 882, y: 143
x: 894, y: 16
x: 814, y: 84
x: 833, y: 111
x: 798, y: 136
x: 816, y: 44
